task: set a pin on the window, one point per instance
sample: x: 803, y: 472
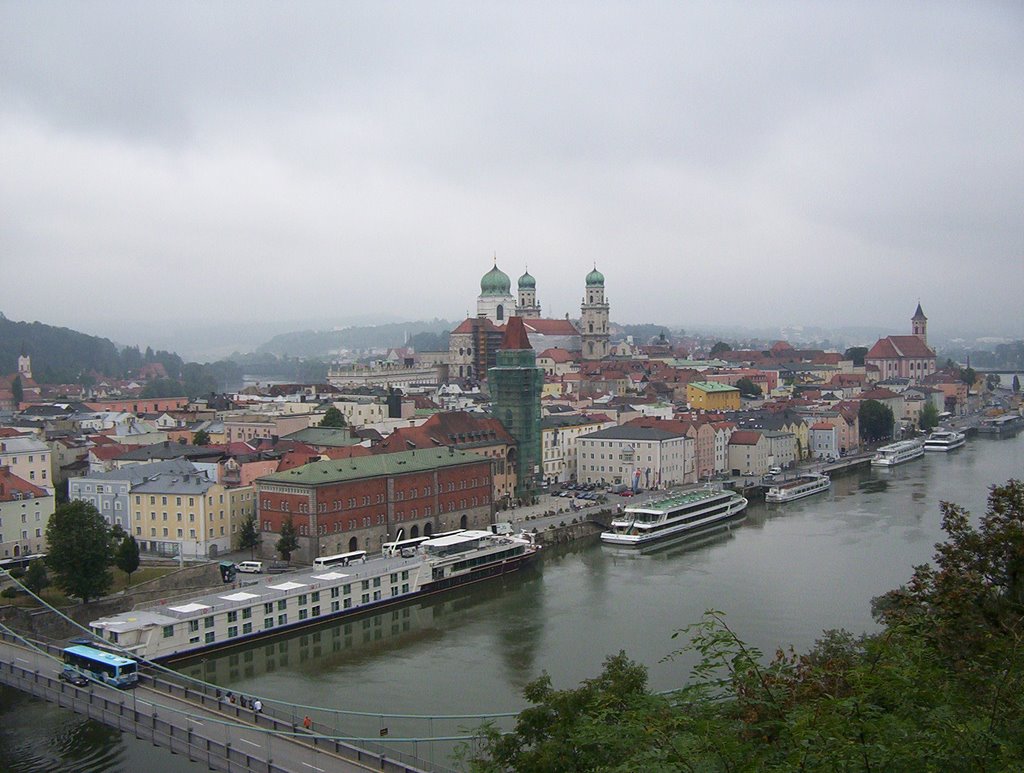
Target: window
x: 168, y: 631
x: 232, y: 631
x: 315, y: 612
x: 302, y: 599
x: 303, y: 614
x: 268, y: 622
x: 209, y: 637
x: 193, y: 626
x: 247, y: 613
x: 316, y: 596
x: 282, y: 605
x: 282, y: 619
x: 247, y: 628
x: 208, y: 622
x: 233, y: 616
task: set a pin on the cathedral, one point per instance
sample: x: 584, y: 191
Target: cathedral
x: 474, y: 344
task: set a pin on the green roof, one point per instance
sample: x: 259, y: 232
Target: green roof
x: 595, y: 277
x: 339, y: 470
x: 526, y: 281
x: 495, y: 282
x: 323, y: 436
x: 712, y: 386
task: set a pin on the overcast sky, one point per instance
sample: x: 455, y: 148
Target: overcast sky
x: 751, y: 163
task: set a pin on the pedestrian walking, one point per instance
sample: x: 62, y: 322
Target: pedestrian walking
x: 307, y: 722
x: 257, y: 706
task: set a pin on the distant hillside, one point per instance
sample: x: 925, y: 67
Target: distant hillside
x: 59, y: 355
x: 324, y: 343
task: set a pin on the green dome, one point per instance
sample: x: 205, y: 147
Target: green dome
x: 595, y: 277
x: 495, y: 282
x: 527, y: 282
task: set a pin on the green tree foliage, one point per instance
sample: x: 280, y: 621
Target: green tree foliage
x: 1016, y: 383
x: 876, y: 421
x: 79, y: 551
x: 17, y: 390
x: 126, y: 557
x: 288, y: 543
x: 249, y: 537
x: 163, y: 387
x: 929, y: 418
x: 992, y: 380
x: 968, y: 376
x: 201, y: 438
x: 748, y: 388
x: 857, y: 354
x: 720, y: 347
x: 333, y: 418
x: 36, y: 578
x: 941, y: 687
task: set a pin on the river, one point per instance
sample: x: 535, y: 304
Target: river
x: 788, y: 572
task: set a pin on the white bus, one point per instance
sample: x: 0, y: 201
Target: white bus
x: 402, y: 547
x: 341, y: 559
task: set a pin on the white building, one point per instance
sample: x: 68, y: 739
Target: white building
x: 640, y: 456
x: 25, y: 510
x: 29, y: 459
x: 559, y: 444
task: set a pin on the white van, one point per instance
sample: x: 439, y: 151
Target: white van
x: 253, y: 567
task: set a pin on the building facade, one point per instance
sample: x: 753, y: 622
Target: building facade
x: 343, y: 505
x: 637, y: 456
x: 25, y: 511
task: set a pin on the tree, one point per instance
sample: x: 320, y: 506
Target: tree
x: 79, y: 550
x: 36, y: 578
x: 249, y: 537
x: 929, y: 418
x: 333, y: 418
x: 748, y: 388
x: 201, y: 438
x: 720, y: 347
x: 968, y: 376
x: 17, y: 391
x: 127, y: 556
x: 1016, y: 383
x: 992, y: 380
x: 876, y: 421
x: 289, y: 541
x: 857, y: 354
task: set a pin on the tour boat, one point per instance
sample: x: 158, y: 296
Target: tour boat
x: 798, y: 488
x: 898, y: 453
x: 944, y: 440
x: 693, y: 510
x: 251, y: 609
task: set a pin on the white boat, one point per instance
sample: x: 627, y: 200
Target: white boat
x: 798, y: 488
x: 944, y: 440
x: 897, y: 453
x: 677, y: 514
x: 248, y: 610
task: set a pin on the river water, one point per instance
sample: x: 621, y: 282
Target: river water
x: 781, y: 577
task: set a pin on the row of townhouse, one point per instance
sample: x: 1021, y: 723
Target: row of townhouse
x: 170, y: 506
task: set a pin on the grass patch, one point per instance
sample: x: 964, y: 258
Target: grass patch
x: 140, y: 575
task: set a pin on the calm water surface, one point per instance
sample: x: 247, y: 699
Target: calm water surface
x: 788, y: 572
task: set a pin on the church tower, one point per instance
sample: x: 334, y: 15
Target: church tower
x: 919, y: 324
x: 516, y: 384
x: 24, y: 364
x: 594, y: 318
x: 528, y: 307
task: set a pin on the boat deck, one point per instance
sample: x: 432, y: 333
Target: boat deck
x: 674, y: 501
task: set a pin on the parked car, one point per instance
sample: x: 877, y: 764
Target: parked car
x: 71, y: 676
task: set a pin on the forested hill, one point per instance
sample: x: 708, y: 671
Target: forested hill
x: 324, y: 343
x: 59, y: 355
x: 64, y: 356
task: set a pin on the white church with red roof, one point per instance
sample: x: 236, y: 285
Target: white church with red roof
x: 907, y: 357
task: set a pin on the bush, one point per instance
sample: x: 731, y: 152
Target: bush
x: 17, y: 573
x: 9, y: 592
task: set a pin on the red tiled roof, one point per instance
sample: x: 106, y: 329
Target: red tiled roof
x: 877, y: 394
x: 899, y: 346
x: 745, y: 437
x: 822, y: 425
x: 10, y: 483
x: 557, y: 354
x: 515, y: 335
x: 550, y: 327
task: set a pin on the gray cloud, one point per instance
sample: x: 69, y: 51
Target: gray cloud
x: 722, y: 163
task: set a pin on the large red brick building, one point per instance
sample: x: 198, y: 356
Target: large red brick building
x: 341, y: 505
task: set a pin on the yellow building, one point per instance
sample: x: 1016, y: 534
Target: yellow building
x: 186, y: 512
x: 712, y: 396
x: 241, y: 504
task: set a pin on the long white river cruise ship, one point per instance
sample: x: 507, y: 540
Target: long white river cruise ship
x: 246, y: 610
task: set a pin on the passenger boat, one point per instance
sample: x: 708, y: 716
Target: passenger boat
x: 897, y: 453
x: 1007, y: 425
x: 798, y: 488
x: 694, y: 510
x: 247, y: 610
x: 944, y: 440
